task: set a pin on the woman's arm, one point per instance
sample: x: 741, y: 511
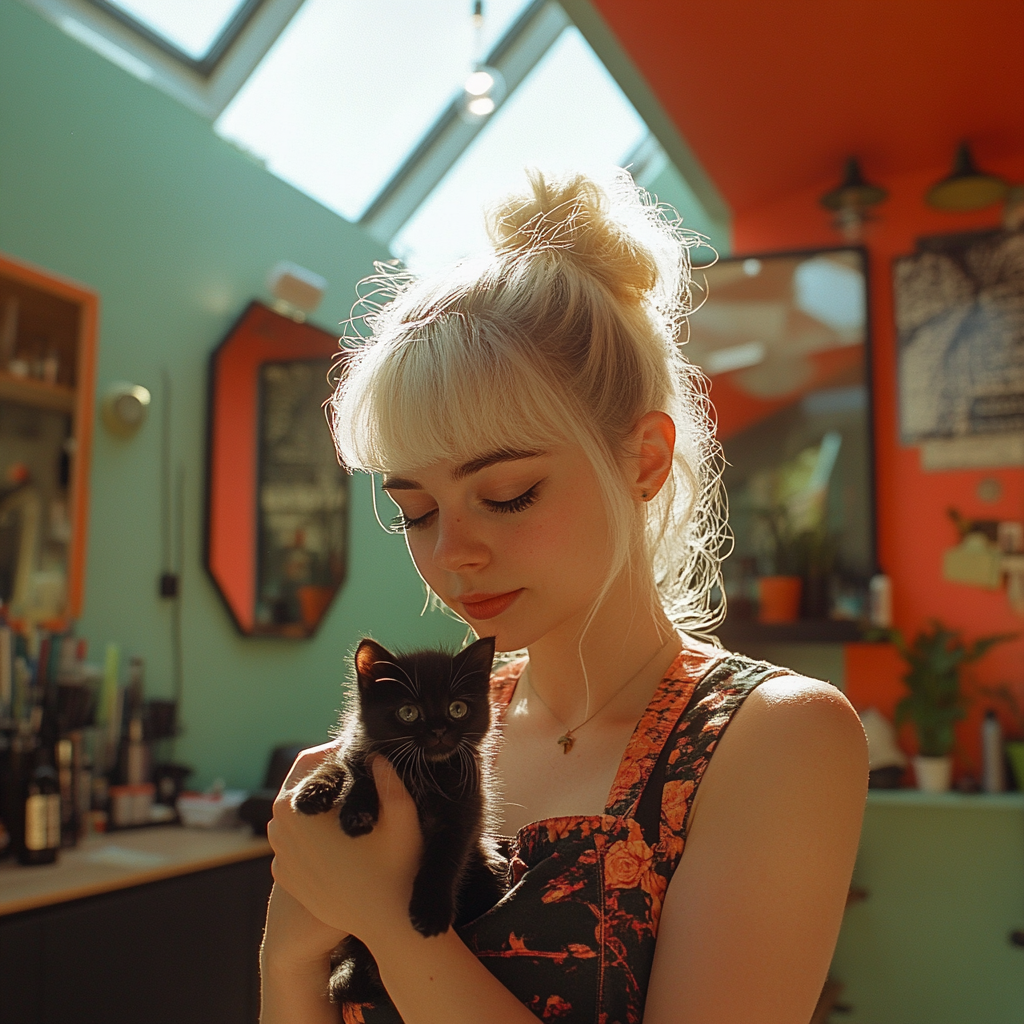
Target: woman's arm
x: 753, y: 911
x: 362, y: 886
x: 295, y: 955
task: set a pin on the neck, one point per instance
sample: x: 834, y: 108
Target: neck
x: 629, y: 636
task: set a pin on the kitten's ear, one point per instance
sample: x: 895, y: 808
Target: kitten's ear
x: 477, y: 657
x: 368, y: 654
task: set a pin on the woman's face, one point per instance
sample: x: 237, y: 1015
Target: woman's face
x: 517, y: 544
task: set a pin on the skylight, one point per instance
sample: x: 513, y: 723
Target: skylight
x: 192, y: 26
x: 349, y: 89
x: 569, y: 113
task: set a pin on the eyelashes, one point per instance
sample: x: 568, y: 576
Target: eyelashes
x: 517, y: 504
x: 400, y: 524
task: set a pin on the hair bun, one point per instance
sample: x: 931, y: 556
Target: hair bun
x: 613, y: 233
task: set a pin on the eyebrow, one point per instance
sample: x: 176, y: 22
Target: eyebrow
x: 398, y: 483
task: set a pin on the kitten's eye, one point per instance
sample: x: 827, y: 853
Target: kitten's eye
x: 458, y: 709
x: 408, y: 713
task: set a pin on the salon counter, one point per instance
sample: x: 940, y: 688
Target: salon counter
x: 122, y: 859
x: 159, y: 925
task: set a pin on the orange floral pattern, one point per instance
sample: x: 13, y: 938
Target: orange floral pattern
x: 574, y: 936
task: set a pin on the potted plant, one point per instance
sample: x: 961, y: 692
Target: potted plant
x: 936, y: 701
x: 779, y: 590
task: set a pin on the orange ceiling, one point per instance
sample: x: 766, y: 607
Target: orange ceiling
x: 772, y: 95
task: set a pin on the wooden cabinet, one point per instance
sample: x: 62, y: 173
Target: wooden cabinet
x: 153, y: 926
x: 178, y: 951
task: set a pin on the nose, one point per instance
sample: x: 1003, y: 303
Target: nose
x: 457, y: 547
x: 439, y: 732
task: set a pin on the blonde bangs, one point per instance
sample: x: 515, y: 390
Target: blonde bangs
x: 450, y: 391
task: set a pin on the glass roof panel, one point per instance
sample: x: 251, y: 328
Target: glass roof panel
x: 568, y: 113
x: 349, y: 89
x: 193, y: 26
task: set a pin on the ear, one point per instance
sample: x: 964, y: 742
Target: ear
x: 368, y: 653
x: 477, y: 657
x: 654, y: 440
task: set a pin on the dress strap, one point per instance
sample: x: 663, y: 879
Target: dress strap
x: 649, y: 738
x: 673, y: 784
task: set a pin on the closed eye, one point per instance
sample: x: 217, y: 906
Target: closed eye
x: 518, y: 504
x: 401, y: 523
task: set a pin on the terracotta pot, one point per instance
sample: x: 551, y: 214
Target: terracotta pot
x: 934, y: 774
x: 779, y: 598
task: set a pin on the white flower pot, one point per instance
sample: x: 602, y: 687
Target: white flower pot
x: 934, y: 774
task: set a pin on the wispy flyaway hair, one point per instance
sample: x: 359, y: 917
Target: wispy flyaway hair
x: 567, y: 331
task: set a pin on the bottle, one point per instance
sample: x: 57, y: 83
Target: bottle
x: 66, y: 780
x: 993, y: 776
x: 39, y: 837
x: 880, y: 601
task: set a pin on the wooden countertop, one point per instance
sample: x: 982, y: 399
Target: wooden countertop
x: 122, y: 859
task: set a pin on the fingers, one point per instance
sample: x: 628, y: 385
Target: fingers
x: 390, y: 787
x: 304, y: 764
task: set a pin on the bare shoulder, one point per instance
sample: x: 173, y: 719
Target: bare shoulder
x: 799, y: 734
x: 792, y: 705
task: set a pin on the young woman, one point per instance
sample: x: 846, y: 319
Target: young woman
x: 553, y: 460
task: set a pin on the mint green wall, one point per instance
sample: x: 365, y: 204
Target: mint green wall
x: 107, y: 181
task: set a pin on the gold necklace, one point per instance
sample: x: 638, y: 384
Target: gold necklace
x: 567, y: 740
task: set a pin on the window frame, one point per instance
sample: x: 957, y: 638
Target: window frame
x: 205, y: 85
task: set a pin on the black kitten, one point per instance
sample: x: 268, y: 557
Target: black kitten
x: 428, y: 713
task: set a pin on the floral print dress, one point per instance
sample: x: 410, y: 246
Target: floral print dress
x: 573, y: 938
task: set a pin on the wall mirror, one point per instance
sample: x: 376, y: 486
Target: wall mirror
x: 277, y: 500
x: 784, y: 339
x: 47, y: 365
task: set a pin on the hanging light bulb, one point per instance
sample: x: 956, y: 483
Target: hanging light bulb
x: 852, y: 200
x: 484, y: 87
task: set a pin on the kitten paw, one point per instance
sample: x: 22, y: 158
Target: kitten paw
x: 429, y: 918
x: 357, y: 823
x: 315, y: 799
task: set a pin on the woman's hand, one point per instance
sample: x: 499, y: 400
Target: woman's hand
x: 360, y: 886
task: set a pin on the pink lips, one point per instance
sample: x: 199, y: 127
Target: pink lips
x: 487, y: 606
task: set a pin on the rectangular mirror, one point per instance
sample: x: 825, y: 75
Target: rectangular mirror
x: 784, y: 339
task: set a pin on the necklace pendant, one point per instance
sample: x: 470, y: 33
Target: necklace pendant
x: 566, y: 742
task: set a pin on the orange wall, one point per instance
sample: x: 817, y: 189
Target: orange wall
x: 913, y: 530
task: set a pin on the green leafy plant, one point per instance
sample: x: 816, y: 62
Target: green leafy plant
x: 936, y: 701
x: 808, y: 552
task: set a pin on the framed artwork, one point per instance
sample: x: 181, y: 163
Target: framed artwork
x: 784, y: 339
x: 959, y: 303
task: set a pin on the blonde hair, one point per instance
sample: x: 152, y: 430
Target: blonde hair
x: 567, y: 331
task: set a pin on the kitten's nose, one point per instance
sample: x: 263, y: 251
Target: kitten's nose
x: 440, y: 731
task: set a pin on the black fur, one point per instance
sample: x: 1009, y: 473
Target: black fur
x: 437, y: 754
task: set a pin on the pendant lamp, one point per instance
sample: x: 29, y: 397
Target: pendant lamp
x: 966, y: 188
x: 484, y: 87
x: 852, y: 200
